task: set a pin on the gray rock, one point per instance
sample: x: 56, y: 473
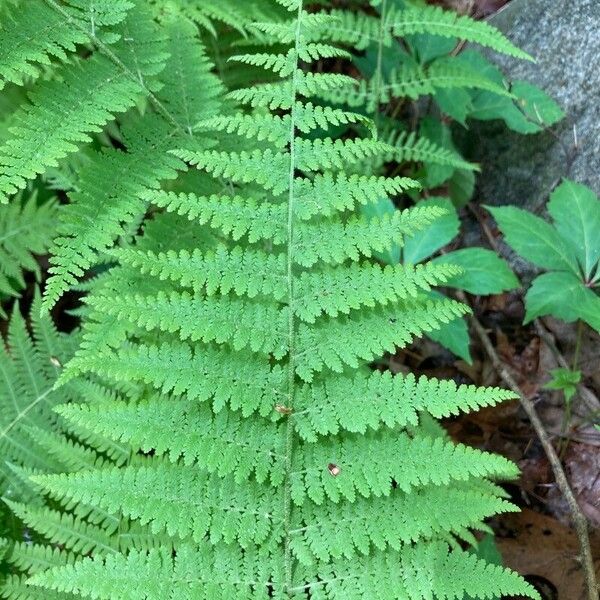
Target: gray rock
x: 564, y: 37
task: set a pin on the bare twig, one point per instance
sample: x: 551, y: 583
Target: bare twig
x: 577, y: 517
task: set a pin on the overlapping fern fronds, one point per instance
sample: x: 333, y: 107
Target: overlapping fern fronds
x: 35, y: 439
x: 102, y: 59
x: 274, y: 462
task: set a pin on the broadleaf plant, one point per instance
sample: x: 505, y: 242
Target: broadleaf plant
x: 568, y: 249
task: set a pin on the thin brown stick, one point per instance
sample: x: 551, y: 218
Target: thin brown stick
x: 577, y: 517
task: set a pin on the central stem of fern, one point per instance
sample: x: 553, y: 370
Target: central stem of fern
x: 289, y: 443
x: 378, y: 72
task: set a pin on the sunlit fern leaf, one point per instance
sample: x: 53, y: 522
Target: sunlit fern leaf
x: 436, y: 21
x: 226, y: 573
x: 65, y: 111
x: 250, y: 454
x: 208, y: 15
x: 31, y: 35
x: 34, y: 440
x: 32, y: 435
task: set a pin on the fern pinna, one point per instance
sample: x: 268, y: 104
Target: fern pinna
x: 268, y: 460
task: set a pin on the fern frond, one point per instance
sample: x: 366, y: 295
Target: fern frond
x: 244, y: 271
x: 243, y: 382
x: 363, y: 402
x: 17, y: 588
x: 391, y: 522
x: 272, y: 128
x: 64, y: 113
x: 182, y: 501
x: 328, y: 193
x: 241, y: 318
x: 457, y: 573
x: 241, y: 323
x: 155, y: 574
x: 448, y: 23
x: 331, y: 241
x: 233, y: 216
x: 70, y: 455
x: 112, y: 186
x: 34, y: 558
x: 336, y: 291
x: 410, y: 147
x: 31, y: 36
x: 335, y: 343
x: 26, y: 228
x: 61, y: 528
x: 221, y: 443
x: 412, y: 82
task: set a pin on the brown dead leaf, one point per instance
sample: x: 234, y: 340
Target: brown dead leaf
x: 544, y: 550
x: 583, y: 468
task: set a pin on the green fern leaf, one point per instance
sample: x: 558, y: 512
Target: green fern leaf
x: 26, y: 228
x: 266, y: 457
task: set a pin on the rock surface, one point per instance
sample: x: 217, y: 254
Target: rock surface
x: 564, y: 37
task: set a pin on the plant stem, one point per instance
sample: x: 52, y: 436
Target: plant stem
x: 378, y: 74
x: 577, y: 517
x: 289, y: 437
x: 578, y: 344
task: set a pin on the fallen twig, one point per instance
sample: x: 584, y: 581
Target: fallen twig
x: 577, y: 517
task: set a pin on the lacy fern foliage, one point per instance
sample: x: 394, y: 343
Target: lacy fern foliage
x: 26, y: 229
x: 247, y: 448
x: 268, y: 459
x: 34, y: 439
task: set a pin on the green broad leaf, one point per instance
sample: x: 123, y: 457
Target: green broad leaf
x: 456, y: 103
x: 380, y: 208
x: 484, y: 272
x: 428, y: 47
x: 439, y: 133
x: 453, y: 336
x: 576, y: 213
x: 391, y: 58
x: 529, y: 112
x: 561, y: 295
x: 485, y: 68
x: 536, y: 105
x: 461, y: 187
x: 488, y: 106
x: 589, y: 310
x: 534, y: 239
x: 565, y: 380
x: 429, y: 240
